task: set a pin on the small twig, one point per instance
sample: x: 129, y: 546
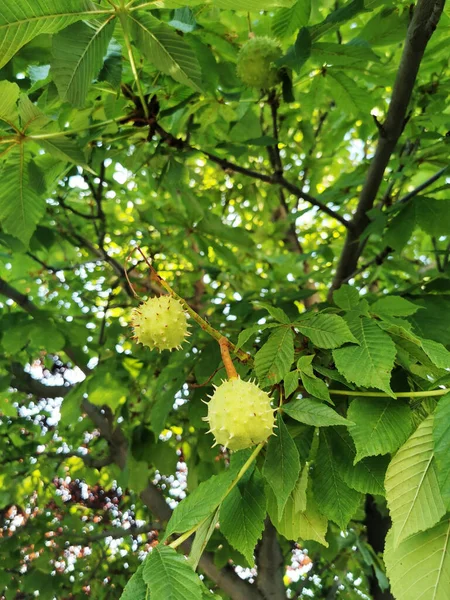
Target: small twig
x: 205, y: 383
x: 423, y: 186
x: 436, y: 254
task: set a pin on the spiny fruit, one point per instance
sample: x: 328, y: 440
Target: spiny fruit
x: 255, y: 63
x: 160, y: 323
x: 239, y: 414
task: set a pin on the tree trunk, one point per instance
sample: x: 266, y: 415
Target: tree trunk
x: 377, y: 527
x: 270, y: 564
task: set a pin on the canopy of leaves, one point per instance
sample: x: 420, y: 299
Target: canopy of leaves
x: 307, y: 223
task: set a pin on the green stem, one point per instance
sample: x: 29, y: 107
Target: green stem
x: 54, y: 134
x: 140, y: 6
x: 126, y: 39
x: 243, y: 356
x: 233, y: 484
x: 426, y: 394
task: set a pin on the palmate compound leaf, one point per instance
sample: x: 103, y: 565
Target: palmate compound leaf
x: 78, y: 53
x: 21, y: 204
x: 380, y: 425
x: 170, y: 577
x: 164, y: 48
x: 21, y: 21
x: 369, y: 364
x: 412, y: 490
x: 419, y: 567
x: 441, y: 438
x: 326, y: 330
x: 335, y: 499
x: 242, y: 516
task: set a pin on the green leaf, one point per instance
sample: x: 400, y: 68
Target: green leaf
x: 202, y: 536
x: 169, y: 576
x: 297, y: 54
x: 335, y: 499
x: 342, y: 54
x: 136, y: 588
x: 299, y: 492
x: 112, y: 67
x: 277, y: 313
x: 386, y: 27
x: 78, y: 53
x: 298, y: 525
x: 366, y: 476
x: 348, y: 95
x: 31, y: 117
x: 316, y: 387
x: 282, y: 464
x: 250, y: 5
x: 437, y: 353
x: 21, y: 205
x: 343, y: 14
x: 65, y: 149
x: 242, y: 516
x: 164, y: 48
x: 400, y: 228
x: 106, y: 390
x: 291, y: 382
x: 381, y: 425
x: 168, y: 384
x: 248, y: 333
x: 198, y: 505
x: 346, y: 297
x: 326, y: 330
x: 274, y: 359
x: 394, y: 306
x: 287, y: 21
x: 9, y: 94
x: 419, y: 567
x: 369, y: 364
x: 412, y: 489
x: 22, y: 21
x: 45, y: 334
x: 441, y: 438
x: 432, y: 215
x: 313, y: 412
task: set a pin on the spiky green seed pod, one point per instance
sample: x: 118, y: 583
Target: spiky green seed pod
x: 160, y: 323
x: 255, y: 63
x: 239, y: 414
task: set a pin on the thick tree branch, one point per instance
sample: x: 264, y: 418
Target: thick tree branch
x: 115, y: 534
x: 423, y: 23
x: 24, y: 382
x: 225, y: 578
x: 227, y: 165
x: 20, y: 299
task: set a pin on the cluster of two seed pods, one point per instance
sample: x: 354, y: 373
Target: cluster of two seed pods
x: 239, y: 412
